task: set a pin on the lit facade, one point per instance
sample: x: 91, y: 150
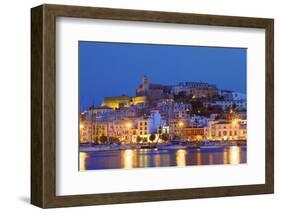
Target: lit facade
x: 124, y: 101
x: 234, y: 130
x: 193, y: 133
x: 124, y: 119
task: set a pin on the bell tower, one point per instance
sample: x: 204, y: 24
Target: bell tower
x: 145, y: 84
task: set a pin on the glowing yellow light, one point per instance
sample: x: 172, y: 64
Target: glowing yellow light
x: 198, y: 137
x: 81, y: 126
x: 181, y: 124
x: 234, y: 155
x: 128, y: 125
x: 83, y: 159
x: 128, y: 158
x: 128, y: 152
x: 234, y: 122
x: 181, y: 158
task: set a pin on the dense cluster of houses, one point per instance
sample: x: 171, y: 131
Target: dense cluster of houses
x: 190, y: 111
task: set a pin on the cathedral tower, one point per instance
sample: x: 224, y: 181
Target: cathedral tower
x: 145, y: 84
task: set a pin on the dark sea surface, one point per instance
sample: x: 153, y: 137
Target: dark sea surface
x: 143, y: 158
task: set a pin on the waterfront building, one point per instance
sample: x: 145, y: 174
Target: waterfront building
x: 144, y: 127
x: 176, y: 127
x: 227, y: 130
x: 126, y: 130
x: 114, y: 131
x: 150, y: 124
x: 123, y: 130
x: 193, y: 133
x: 85, y: 131
x: 85, y: 127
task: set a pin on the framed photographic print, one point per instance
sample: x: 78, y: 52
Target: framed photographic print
x: 137, y: 106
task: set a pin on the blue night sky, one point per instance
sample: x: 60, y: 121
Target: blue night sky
x: 112, y: 69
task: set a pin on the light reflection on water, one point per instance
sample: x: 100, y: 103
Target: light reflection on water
x: 83, y: 159
x: 128, y: 159
x: 141, y: 158
x: 181, y: 157
x: 198, y: 158
x: 234, y: 155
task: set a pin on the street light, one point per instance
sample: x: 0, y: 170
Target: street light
x: 128, y: 125
x: 234, y: 122
x: 181, y: 124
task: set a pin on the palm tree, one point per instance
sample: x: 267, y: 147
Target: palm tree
x: 152, y: 137
x: 139, y: 138
x: 165, y: 137
x: 103, y: 139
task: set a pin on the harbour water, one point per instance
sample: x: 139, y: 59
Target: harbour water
x: 143, y: 158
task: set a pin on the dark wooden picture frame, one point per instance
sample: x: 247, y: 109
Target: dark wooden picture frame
x: 43, y: 105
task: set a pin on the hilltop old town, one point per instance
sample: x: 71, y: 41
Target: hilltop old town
x: 158, y: 114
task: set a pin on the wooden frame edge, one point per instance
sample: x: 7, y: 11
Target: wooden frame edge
x: 36, y: 106
x: 43, y: 105
x: 269, y: 105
